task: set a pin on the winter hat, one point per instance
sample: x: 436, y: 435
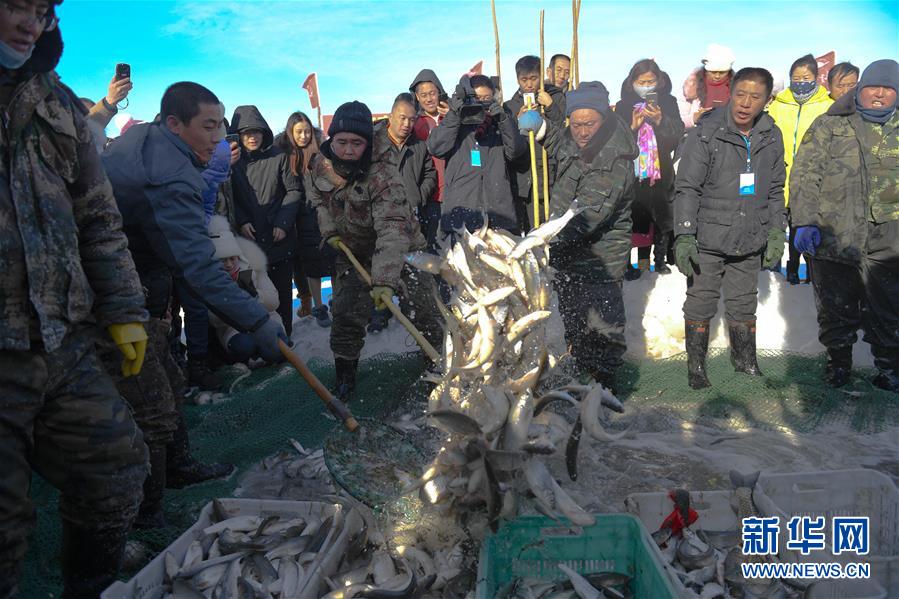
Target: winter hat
x: 884, y: 72
x: 222, y: 238
x: 718, y: 58
x: 352, y: 117
x: 590, y: 94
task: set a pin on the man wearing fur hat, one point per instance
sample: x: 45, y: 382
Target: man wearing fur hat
x: 247, y: 265
x: 67, y: 281
x: 359, y: 198
x: 595, y: 156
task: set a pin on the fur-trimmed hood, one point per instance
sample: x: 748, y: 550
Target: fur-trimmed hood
x: 228, y: 244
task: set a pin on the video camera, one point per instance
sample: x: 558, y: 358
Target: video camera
x: 472, y: 110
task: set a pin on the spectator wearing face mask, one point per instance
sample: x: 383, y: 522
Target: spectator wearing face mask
x: 793, y: 110
x: 646, y: 102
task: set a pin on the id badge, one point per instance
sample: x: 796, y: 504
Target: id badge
x: 475, y: 158
x: 747, y: 184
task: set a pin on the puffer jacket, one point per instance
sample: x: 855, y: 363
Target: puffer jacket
x: 707, y: 201
x: 846, y: 178
x: 793, y: 119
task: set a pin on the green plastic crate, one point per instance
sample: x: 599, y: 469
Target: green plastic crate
x: 535, y: 545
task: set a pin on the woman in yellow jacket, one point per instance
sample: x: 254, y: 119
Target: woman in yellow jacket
x: 793, y: 110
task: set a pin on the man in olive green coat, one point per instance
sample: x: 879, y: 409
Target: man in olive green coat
x: 595, y: 157
x: 845, y: 201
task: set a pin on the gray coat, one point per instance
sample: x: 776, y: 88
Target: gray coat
x: 158, y: 188
x: 707, y: 202
x: 415, y: 165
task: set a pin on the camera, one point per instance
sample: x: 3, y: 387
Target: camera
x: 472, y: 110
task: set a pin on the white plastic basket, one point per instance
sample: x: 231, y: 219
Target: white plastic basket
x: 147, y: 584
x: 859, y: 492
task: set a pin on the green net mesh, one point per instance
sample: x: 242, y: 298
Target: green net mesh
x: 274, y: 404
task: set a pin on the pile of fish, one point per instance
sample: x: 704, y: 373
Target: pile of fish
x: 250, y: 556
x: 491, y: 398
x: 613, y: 585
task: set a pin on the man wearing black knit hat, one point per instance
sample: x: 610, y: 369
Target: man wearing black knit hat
x: 595, y: 156
x: 360, y: 200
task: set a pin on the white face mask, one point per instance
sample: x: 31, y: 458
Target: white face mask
x: 13, y: 59
x: 642, y: 90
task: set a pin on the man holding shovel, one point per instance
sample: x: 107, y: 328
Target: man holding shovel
x: 361, y: 205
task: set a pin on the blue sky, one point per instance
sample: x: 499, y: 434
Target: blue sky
x: 259, y: 52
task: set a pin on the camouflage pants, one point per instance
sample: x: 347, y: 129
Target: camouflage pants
x: 149, y: 393
x: 849, y: 297
x: 352, y: 306
x: 593, y: 314
x: 61, y: 416
x: 737, y: 276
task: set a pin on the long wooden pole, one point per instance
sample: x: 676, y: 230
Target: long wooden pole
x: 571, y: 85
x: 499, y: 76
x: 416, y: 334
x: 334, y: 405
x: 577, y: 51
x: 545, y: 161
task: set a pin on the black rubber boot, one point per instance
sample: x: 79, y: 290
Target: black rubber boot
x: 697, y: 341
x: 888, y: 376
x: 90, y: 560
x: 742, y: 347
x: 839, y: 366
x: 660, y: 252
x: 199, y: 375
x: 182, y: 469
x: 632, y: 273
x: 150, y: 514
x: 379, y: 320
x: 345, y: 385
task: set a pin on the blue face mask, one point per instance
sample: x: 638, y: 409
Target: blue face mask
x: 12, y: 59
x: 803, y: 90
x: 642, y: 90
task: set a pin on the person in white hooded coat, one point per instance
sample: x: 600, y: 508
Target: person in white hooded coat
x: 247, y: 264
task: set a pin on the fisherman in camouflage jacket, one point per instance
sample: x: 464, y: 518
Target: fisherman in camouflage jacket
x: 358, y: 195
x: 844, y: 191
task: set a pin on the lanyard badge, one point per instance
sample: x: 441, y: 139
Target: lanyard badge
x: 747, y: 179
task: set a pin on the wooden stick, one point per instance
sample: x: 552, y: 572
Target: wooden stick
x: 545, y: 165
x: 422, y: 342
x: 577, y: 51
x: 334, y: 405
x: 573, y: 44
x: 499, y: 76
x: 535, y: 183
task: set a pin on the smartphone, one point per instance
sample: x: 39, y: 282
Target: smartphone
x: 530, y: 100
x: 122, y: 71
x: 652, y: 98
x: 232, y: 137
x: 443, y: 98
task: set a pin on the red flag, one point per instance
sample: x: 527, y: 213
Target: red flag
x: 825, y: 63
x: 311, y: 86
x: 476, y: 69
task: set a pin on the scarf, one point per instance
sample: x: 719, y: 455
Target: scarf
x: 716, y: 91
x: 646, y: 165
x: 874, y: 115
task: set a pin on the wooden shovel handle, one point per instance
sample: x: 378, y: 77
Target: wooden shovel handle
x: 334, y: 405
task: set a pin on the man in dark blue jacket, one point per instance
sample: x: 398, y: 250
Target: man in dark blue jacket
x: 155, y: 171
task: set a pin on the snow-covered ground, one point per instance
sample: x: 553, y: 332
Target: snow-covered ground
x: 787, y: 320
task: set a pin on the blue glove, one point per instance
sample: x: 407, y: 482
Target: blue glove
x: 807, y: 239
x: 266, y: 338
x: 530, y: 121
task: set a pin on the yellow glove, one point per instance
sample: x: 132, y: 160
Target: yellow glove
x: 382, y: 294
x: 333, y: 240
x: 132, y: 341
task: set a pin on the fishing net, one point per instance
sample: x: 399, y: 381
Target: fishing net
x: 274, y: 404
